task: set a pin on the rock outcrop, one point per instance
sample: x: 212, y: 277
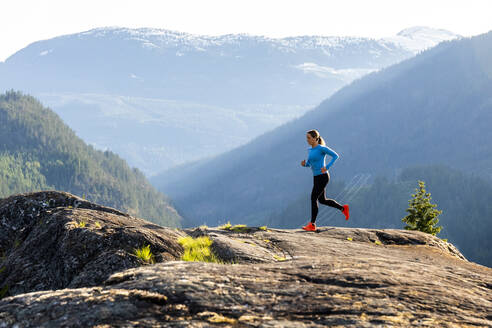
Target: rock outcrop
x: 55, y: 240
x: 60, y: 273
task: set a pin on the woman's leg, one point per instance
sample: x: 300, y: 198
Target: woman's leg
x: 318, y: 194
x: 329, y: 202
x: 319, y: 184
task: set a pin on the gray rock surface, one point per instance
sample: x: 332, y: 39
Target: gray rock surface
x: 273, y: 278
x: 44, y: 243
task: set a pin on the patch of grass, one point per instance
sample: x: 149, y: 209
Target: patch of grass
x: 197, y: 249
x: 250, y: 243
x: 226, y: 226
x: 279, y: 258
x: 2, y: 269
x: 144, y: 254
x: 239, y: 228
x: 235, y: 228
x: 17, y: 243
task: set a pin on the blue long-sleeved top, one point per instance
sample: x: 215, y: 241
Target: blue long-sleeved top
x: 316, y: 158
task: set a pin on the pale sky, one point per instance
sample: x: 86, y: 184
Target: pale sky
x: 25, y: 21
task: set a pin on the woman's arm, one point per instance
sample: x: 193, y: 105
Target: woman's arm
x: 306, y: 163
x: 332, y: 153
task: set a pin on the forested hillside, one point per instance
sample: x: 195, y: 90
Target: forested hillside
x: 38, y: 151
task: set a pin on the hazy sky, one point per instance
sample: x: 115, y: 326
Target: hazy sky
x: 25, y: 21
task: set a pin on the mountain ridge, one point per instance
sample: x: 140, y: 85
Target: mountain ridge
x: 201, y: 40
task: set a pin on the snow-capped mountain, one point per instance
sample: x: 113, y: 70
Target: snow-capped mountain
x: 412, y: 39
x: 419, y: 38
x: 219, y: 91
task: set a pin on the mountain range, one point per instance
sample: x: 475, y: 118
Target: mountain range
x: 159, y: 98
x: 434, y: 108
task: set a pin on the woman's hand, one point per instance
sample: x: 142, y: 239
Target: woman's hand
x: 323, y: 169
x: 303, y: 163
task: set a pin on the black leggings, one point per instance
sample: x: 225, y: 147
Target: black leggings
x: 318, y: 195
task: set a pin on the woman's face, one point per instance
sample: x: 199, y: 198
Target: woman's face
x: 310, y: 140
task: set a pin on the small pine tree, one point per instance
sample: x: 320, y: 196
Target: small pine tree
x: 422, y: 214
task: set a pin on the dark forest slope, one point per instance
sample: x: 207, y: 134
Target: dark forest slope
x: 38, y: 151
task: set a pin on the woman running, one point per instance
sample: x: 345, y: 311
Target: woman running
x: 316, y: 160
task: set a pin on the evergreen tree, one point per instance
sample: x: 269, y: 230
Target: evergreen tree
x: 422, y: 214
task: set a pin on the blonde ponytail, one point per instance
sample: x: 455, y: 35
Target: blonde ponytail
x: 315, y: 135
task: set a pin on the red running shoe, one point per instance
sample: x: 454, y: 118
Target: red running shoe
x: 310, y: 227
x: 345, y: 211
